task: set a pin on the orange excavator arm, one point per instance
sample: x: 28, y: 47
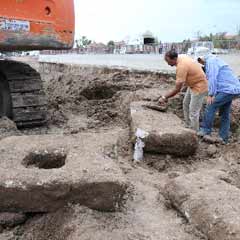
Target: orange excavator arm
x: 36, y: 24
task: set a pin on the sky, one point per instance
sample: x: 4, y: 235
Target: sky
x: 168, y: 20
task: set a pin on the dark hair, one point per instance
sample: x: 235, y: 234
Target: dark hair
x: 172, y: 54
x: 203, y: 67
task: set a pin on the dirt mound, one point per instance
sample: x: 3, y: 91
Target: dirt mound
x: 208, y: 202
x: 8, y: 128
x: 98, y: 93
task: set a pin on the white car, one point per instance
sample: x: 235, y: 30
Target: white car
x: 198, y: 48
x: 219, y: 51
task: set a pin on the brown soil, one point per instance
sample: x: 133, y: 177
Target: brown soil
x: 92, y: 99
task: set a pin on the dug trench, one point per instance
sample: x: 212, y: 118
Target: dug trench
x: 75, y: 178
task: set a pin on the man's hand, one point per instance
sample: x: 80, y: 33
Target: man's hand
x: 210, y: 100
x: 162, y: 100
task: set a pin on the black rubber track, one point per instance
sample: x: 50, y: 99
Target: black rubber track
x: 21, y: 95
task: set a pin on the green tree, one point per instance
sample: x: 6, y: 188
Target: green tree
x: 110, y: 46
x: 221, y: 35
x: 83, y: 42
x: 186, y: 45
x: 238, y: 30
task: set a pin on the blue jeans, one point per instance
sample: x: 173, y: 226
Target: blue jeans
x: 223, y: 102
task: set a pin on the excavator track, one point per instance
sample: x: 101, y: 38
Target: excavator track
x: 21, y: 94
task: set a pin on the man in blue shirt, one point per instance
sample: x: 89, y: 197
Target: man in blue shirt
x: 223, y: 86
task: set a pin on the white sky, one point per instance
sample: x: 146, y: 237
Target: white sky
x: 169, y: 20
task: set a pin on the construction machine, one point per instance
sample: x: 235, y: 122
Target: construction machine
x: 30, y: 25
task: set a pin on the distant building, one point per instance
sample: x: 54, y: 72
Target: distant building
x: 96, y: 48
x: 119, y: 47
x: 145, y: 43
x: 148, y: 38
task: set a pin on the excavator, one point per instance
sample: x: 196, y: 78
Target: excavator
x: 27, y: 25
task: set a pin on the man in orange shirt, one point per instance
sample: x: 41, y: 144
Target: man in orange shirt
x: 190, y: 74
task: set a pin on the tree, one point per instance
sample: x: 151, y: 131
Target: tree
x: 205, y: 38
x: 111, y: 46
x: 186, y: 45
x: 238, y: 30
x: 221, y: 35
x: 198, y: 34
x: 83, y: 42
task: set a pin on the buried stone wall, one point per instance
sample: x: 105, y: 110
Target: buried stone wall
x: 164, y: 132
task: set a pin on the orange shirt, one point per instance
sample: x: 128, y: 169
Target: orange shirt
x: 191, y: 73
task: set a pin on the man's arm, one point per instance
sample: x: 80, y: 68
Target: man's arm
x: 212, y: 70
x: 172, y: 93
x: 176, y: 90
x: 181, y: 75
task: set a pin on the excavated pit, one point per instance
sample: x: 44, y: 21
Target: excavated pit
x: 99, y: 92
x: 100, y: 96
x: 46, y: 159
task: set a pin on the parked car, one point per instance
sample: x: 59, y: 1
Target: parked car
x: 219, y: 51
x: 198, y: 47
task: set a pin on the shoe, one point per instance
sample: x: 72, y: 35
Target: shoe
x: 214, y: 140
x: 201, y: 133
x: 223, y: 142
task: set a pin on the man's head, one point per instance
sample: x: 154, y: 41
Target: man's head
x: 171, y: 57
x: 201, y: 60
x: 201, y: 54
